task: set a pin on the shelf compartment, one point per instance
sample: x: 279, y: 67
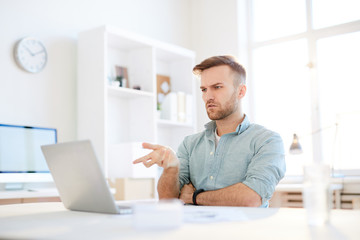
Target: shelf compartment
x: 128, y: 92
x: 169, y: 123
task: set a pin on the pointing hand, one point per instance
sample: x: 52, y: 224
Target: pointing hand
x: 163, y: 156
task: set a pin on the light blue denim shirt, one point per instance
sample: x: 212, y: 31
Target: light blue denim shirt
x: 252, y: 155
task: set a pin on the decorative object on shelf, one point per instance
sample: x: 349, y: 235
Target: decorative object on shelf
x: 158, y: 110
x: 163, y: 88
x: 137, y: 87
x: 120, y: 81
x: 121, y: 76
x: 30, y: 54
x: 177, y: 107
x: 114, y: 83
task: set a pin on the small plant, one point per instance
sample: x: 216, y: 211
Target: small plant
x: 120, y: 80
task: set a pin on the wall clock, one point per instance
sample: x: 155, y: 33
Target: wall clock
x: 30, y: 54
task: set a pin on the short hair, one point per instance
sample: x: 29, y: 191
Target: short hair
x: 228, y: 60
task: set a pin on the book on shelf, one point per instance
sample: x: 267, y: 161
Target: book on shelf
x: 177, y: 107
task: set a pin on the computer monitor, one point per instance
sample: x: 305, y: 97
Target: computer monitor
x: 21, y: 159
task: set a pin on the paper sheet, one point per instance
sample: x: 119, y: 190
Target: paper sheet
x: 198, y: 214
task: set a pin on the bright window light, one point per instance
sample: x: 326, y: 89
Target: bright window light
x: 333, y: 12
x: 278, y: 18
x: 282, y: 95
x: 339, y: 84
x: 306, y: 80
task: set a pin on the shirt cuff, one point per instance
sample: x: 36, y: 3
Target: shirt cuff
x: 260, y: 188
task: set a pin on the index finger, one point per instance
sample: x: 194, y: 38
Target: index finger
x: 142, y: 159
x: 150, y: 146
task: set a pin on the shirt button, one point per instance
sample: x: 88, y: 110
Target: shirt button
x: 211, y: 177
x: 211, y: 153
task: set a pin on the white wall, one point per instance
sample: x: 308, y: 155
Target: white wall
x: 218, y: 29
x: 49, y: 97
x: 209, y: 27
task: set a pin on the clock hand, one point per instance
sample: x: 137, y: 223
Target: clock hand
x: 38, y: 52
x: 29, y: 50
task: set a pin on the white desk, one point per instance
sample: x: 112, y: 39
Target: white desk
x: 52, y: 221
x: 39, y: 193
x: 26, y: 196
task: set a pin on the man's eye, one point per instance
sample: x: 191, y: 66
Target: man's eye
x: 203, y: 90
x: 217, y: 86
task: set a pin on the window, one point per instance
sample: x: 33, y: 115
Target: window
x: 269, y: 18
x: 339, y: 83
x: 304, y: 70
x: 328, y: 13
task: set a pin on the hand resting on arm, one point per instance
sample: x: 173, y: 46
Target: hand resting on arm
x: 235, y: 195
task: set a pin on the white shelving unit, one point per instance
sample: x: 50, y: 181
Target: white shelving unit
x: 109, y: 115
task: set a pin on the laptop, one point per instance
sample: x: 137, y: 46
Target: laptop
x: 79, y: 178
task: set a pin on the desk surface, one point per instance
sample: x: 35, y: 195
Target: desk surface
x: 36, y: 193
x: 53, y: 221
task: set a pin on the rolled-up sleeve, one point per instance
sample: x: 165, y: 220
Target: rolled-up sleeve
x: 183, y: 156
x: 267, y: 167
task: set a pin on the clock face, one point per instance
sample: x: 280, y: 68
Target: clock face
x: 30, y: 54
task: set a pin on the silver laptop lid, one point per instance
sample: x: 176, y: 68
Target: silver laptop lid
x: 78, y: 177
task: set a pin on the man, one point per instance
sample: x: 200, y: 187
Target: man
x: 232, y: 162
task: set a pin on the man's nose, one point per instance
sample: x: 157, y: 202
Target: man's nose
x: 208, y: 95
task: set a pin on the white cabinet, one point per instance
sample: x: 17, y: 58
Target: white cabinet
x: 110, y: 115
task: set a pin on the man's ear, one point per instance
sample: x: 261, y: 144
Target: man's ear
x: 242, y: 91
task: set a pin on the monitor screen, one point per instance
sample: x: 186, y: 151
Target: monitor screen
x: 20, y: 150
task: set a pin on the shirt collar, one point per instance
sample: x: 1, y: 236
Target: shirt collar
x: 210, y: 126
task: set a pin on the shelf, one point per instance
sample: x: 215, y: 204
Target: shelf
x: 168, y: 123
x: 126, y: 114
x: 128, y: 92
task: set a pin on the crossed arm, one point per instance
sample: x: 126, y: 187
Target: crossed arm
x: 168, y: 186
x: 235, y: 195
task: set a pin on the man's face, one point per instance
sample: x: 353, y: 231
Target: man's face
x: 218, y: 92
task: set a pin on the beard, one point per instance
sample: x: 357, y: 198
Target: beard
x: 222, y: 111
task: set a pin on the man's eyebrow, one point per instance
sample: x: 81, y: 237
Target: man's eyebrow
x: 212, y: 85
